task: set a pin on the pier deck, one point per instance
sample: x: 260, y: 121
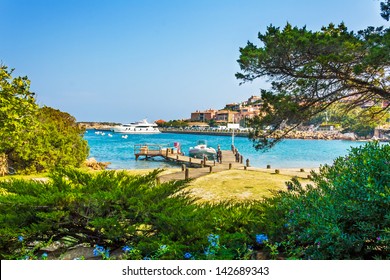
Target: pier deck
x: 199, y: 167
x: 151, y: 150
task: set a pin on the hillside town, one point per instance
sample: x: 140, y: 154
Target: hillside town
x: 239, y: 113
x: 232, y: 113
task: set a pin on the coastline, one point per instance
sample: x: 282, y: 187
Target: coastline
x: 291, y: 153
x: 304, y: 135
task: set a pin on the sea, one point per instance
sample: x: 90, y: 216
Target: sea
x: 290, y: 153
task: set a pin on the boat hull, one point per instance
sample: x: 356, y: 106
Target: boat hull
x: 135, y: 130
x: 201, y: 153
x: 141, y: 127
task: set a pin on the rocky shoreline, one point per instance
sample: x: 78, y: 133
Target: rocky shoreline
x: 308, y: 135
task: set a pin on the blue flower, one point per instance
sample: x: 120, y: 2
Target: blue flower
x: 127, y: 249
x: 20, y: 238
x: 213, y: 240
x: 44, y: 256
x: 187, y: 255
x: 99, y: 250
x: 261, y: 238
x: 147, y: 259
x: 163, y: 247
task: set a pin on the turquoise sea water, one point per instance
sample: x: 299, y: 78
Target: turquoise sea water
x: 290, y: 153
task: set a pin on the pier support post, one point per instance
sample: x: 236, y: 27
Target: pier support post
x: 237, y: 157
x: 247, y: 162
x: 187, y: 174
x: 183, y: 167
x: 277, y: 171
x: 230, y: 165
x: 210, y: 169
x: 166, y: 152
x: 241, y: 159
x: 268, y: 166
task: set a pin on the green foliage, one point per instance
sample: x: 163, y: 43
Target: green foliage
x: 35, y: 139
x: 311, y: 70
x: 344, y: 215
x: 385, y: 9
x: 111, y: 210
x: 358, y: 120
x: 17, y: 110
x: 56, y: 141
x: 175, y: 124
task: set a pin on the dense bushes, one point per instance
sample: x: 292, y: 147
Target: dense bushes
x: 34, y: 139
x: 114, y: 210
x: 345, y: 214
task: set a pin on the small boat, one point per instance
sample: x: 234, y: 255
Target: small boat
x: 141, y: 127
x: 124, y: 136
x: 201, y: 150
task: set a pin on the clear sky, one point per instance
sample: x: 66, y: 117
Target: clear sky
x: 124, y: 61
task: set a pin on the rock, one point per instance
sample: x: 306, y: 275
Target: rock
x: 95, y: 165
x: 80, y: 253
x: 86, y: 253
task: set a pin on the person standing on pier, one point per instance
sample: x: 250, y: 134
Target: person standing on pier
x: 219, y: 155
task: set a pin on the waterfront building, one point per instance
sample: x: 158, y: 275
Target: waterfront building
x: 203, y: 116
x: 226, y: 116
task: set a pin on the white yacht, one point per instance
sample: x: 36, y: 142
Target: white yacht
x: 141, y: 127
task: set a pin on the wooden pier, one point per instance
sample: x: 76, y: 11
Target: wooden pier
x: 231, y: 159
x: 152, y: 150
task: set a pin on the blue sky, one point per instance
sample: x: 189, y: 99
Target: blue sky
x: 123, y: 61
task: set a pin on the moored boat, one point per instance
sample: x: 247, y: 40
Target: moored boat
x: 141, y: 127
x: 201, y: 150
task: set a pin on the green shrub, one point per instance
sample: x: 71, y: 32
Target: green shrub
x: 344, y: 215
x: 33, y: 138
x: 113, y: 210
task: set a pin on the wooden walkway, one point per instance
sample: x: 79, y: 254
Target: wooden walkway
x: 228, y: 162
x: 192, y: 168
x: 146, y: 151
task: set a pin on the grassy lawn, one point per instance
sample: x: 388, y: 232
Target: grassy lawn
x: 238, y: 185
x: 235, y: 185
